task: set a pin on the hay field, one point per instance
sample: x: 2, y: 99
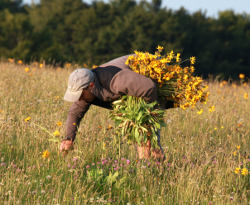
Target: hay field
x: 207, y: 150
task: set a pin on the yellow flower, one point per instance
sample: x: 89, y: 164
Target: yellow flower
x: 20, y: 62
x: 94, y: 66
x: 235, y: 153
x: 59, y: 123
x: 241, y: 76
x: 222, y: 127
x: 160, y: 48
x: 41, y: 65
x: 11, y: 60
x: 234, y: 85
x: 237, y: 170
x: 223, y: 83
x: 200, y: 111
x: 245, y: 96
x: 211, y: 109
x: 46, y: 154
x: 27, y: 119
x: 27, y: 69
x: 103, y: 145
x: 56, y: 133
x: 109, y: 127
x: 238, y: 147
x: 244, y: 171
x: 178, y: 57
x: 74, y: 123
x: 215, y: 128
x: 192, y: 60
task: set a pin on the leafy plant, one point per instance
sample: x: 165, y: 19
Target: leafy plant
x: 137, y: 120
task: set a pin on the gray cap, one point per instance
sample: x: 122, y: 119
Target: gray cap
x: 78, y: 80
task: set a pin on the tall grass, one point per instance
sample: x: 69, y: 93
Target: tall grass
x: 202, y: 150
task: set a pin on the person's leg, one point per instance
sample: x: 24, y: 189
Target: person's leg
x: 143, y: 150
x: 158, y: 153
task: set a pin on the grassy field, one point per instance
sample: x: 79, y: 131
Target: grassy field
x: 207, y: 151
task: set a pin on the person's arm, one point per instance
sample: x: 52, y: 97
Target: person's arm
x: 76, y: 113
x: 128, y: 82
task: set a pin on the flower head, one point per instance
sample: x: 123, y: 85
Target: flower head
x: 56, y: 133
x: 27, y: 69
x: 46, y: 154
x: 244, y: 171
x: 245, y: 96
x: 200, y: 111
x: 241, y: 76
x: 192, y: 60
x: 160, y: 48
x: 212, y: 108
x: 27, y: 119
x: 237, y: 170
x: 59, y: 123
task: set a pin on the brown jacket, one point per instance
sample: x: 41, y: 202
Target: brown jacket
x: 112, y: 80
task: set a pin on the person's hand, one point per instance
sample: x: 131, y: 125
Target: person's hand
x: 66, y: 145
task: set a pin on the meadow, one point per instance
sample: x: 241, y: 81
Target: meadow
x: 207, y: 148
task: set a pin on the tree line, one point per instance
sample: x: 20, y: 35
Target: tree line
x: 59, y: 31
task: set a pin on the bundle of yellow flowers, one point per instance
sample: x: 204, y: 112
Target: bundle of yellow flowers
x: 175, y: 83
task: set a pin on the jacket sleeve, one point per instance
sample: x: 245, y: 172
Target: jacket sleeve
x: 127, y: 82
x: 75, y: 114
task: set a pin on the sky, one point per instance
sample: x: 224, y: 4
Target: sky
x: 210, y: 7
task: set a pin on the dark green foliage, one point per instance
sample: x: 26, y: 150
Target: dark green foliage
x: 75, y: 31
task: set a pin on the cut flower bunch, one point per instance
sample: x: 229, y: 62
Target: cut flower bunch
x: 137, y: 120
x: 175, y: 83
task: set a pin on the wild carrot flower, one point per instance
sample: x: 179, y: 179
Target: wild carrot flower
x: 56, y: 133
x: 244, y: 171
x: 46, y: 154
x: 27, y: 119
